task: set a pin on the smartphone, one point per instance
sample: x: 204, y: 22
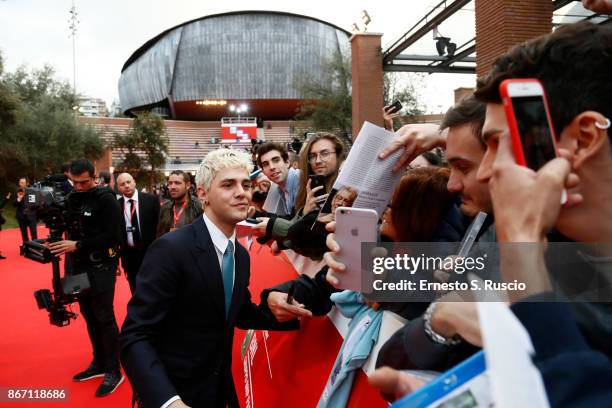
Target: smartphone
x: 252, y: 220
x: 290, y: 293
x: 531, y: 129
x: 316, y: 181
x: 394, y: 107
x: 353, y: 226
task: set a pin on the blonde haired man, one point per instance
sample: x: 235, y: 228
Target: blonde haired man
x: 192, y: 290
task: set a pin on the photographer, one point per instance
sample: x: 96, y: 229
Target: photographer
x: 93, y: 249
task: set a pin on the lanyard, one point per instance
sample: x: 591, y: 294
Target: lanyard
x: 178, y: 216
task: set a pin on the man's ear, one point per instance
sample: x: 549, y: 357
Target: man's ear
x: 202, y: 196
x: 582, y: 138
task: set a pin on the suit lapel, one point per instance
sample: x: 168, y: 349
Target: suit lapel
x: 141, y: 212
x: 208, y: 264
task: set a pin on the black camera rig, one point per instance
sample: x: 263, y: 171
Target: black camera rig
x: 60, y: 211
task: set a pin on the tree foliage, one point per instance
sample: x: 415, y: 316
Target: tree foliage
x: 145, y: 139
x: 328, y: 103
x: 405, y: 90
x: 39, y: 131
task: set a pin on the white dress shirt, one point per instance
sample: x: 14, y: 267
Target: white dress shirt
x: 127, y: 214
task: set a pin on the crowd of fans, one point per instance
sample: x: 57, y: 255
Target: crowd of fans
x: 451, y: 172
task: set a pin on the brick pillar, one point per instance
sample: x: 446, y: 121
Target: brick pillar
x: 460, y: 93
x: 367, y: 79
x: 104, y: 162
x: 500, y: 24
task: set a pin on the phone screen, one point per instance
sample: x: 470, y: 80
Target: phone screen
x: 316, y: 181
x: 536, y: 137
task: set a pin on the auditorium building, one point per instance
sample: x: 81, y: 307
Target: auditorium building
x: 223, y: 79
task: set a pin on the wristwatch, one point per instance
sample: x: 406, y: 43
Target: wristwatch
x: 78, y: 245
x: 433, y: 336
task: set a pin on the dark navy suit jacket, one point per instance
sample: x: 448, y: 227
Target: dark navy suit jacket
x: 176, y: 339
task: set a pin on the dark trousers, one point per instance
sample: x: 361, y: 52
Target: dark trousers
x: 24, y: 223
x: 131, y: 260
x: 97, y: 309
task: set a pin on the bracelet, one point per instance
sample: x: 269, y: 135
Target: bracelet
x: 433, y: 336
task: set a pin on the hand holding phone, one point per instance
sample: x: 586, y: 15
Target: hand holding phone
x: 393, y: 108
x: 353, y: 226
x: 316, y: 181
x: 531, y: 129
x: 290, y: 293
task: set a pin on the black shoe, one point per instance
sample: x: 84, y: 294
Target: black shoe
x: 90, y: 372
x: 110, y: 384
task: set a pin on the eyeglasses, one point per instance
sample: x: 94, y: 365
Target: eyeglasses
x: 323, y: 154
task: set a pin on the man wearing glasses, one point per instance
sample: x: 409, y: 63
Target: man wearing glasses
x: 93, y: 251
x: 324, y: 154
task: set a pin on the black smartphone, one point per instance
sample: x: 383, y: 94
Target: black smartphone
x: 252, y: 220
x: 316, y: 181
x: 394, y: 107
x: 290, y: 293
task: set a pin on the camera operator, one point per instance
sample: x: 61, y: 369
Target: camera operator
x: 93, y: 251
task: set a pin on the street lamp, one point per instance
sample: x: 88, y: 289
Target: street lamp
x: 239, y: 110
x: 365, y: 17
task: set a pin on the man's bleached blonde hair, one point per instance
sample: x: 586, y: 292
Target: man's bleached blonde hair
x: 221, y: 159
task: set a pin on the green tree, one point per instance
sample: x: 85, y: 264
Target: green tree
x: 328, y: 103
x: 145, y: 139
x: 8, y: 103
x: 405, y: 90
x: 40, y: 131
x: 32, y: 85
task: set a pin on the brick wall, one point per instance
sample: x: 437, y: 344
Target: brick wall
x: 500, y: 24
x: 367, y: 80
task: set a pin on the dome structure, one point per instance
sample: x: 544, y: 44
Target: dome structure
x: 253, y: 59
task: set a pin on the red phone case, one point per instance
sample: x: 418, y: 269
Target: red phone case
x: 517, y: 145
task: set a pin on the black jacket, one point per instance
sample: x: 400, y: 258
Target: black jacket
x: 193, y: 210
x: 99, y: 235
x: 176, y: 339
x: 574, y: 374
x: 3, y: 202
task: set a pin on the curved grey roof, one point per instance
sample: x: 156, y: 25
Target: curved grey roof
x: 240, y: 55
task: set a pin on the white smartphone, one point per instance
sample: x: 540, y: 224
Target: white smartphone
x: 353, y: 226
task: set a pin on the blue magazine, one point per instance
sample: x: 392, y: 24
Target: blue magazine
x: 463, y: 386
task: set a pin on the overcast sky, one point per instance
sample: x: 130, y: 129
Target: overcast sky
x: 35, y: 32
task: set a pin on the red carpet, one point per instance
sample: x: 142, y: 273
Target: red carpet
x: 35, y: 354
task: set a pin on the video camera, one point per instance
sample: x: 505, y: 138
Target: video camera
x: 60, y: 211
